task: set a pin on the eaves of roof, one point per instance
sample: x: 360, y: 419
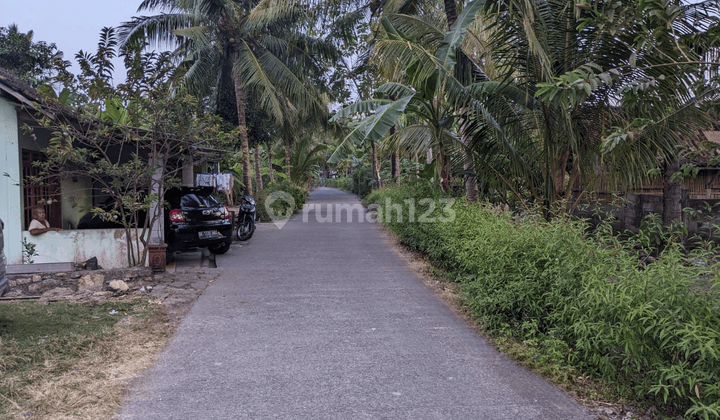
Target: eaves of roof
x: 12, y: 87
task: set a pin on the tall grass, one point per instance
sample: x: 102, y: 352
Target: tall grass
x: 651, y: 330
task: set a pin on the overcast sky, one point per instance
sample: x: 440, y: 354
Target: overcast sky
x: 73, y: 25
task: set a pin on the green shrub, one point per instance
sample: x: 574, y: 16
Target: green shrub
x: 344, y: 183
x: 652, y: 330
x: 655, y: 329
x: 298, y: 194
x: 363, y: 181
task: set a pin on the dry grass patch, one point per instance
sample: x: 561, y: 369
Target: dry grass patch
x: 74, y: 360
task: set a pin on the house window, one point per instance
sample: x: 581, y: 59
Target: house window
x: 39, y: 193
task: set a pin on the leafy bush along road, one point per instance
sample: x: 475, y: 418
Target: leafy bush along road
x: 281, y: 207
x: 584, y: 300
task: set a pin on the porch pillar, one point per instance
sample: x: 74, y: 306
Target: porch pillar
x: 10, y: 191
x: 188, y: 177
x: 157, y: 231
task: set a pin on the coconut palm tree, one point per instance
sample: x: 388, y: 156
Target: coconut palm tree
x: 433, y: 83
x: 614, y: 83
x: 261, y: 45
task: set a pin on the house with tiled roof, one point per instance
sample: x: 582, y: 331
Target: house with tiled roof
x: 66, y: 200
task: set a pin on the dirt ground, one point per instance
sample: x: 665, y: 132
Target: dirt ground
x: 176, y: 292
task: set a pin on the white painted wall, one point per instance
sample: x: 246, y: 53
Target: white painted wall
x: 78, y: 246
x: 10, y: 194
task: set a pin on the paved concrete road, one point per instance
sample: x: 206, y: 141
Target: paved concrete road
x: 323, y: 321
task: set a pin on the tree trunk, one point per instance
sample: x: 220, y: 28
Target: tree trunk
x: 471, y: 187
x: 444, y: 168
x: 396, y: 166
x: 287, y: 160
x: 559, y: 177
x: 672, y: 193
x: 416, y: 161
x: 241, y: 99
x: 258, y: 175
x: 271, y: 172
x: 429, y: 160
x: 375, y: 166
x: 393, y: 166
x: 394, y: 156
x: 450, y: 12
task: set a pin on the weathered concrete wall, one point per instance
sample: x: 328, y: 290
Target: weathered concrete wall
x: 705, y: 216
x: 108, y: 245
x: 636, y: 206
x: 10, y: 195
x: 79, y: 282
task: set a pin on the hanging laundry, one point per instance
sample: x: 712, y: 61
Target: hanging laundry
x: 205, y: 180
x: 224, y: 181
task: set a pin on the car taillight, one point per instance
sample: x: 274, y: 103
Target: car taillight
x: 227, y: 212
x: 176, y: 216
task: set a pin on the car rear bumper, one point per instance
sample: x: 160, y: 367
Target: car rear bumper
x: 188, y: 237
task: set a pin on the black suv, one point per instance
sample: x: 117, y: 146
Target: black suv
x: 194, y: 218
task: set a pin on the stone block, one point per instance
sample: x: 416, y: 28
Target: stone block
x: 22, y: 281
x: 91, y: 282
x: 51, y: 283
x: 118, y: 285
x: 35, y: 288
x: 36, y: 278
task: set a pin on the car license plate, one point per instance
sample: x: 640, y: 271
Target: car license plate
x: 205, y: 234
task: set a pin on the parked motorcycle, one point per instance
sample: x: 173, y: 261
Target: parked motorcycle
x: 246, y: 218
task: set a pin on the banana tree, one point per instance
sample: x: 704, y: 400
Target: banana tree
x: 432, y: 91
x: 417, y: 96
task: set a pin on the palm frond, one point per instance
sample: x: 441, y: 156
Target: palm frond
x: 344, y: 148
x: 378, y: 124
x: 303, y: 95
x: 360, y: 107
x: 454, y: 38
x: 252, y: 72
x: 268, y: 12
x: 158, y: 30
x: 417, y: 138
x: 395, y: 89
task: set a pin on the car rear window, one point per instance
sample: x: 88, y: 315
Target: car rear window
x: 193, y: 200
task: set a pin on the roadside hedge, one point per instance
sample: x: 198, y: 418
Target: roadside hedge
x: 298, y: 194
x: 344, y: 183
x: 651, y: 330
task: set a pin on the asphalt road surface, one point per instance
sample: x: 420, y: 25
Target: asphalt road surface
x: 321, y: 320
